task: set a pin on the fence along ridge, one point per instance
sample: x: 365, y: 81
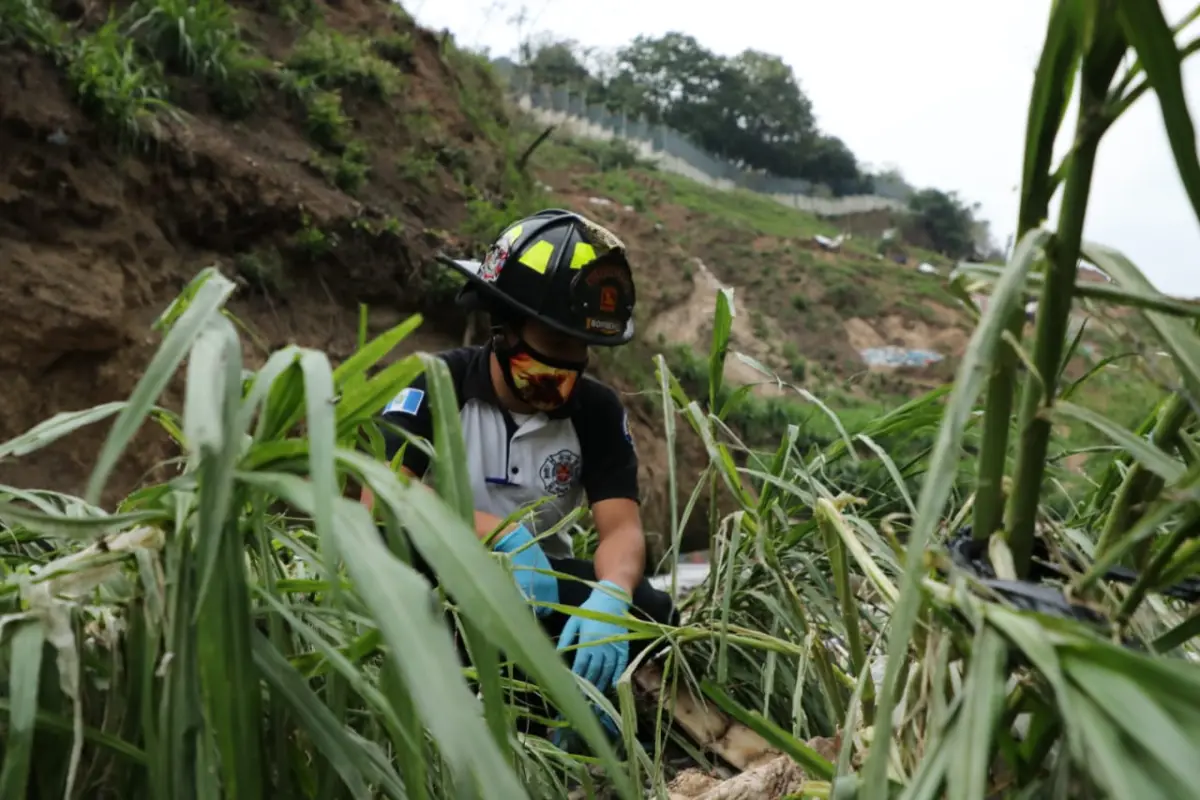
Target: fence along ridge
x: 673, y: 151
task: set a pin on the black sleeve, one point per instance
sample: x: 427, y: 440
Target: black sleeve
x: 610, y: 463
x: 408, y: 411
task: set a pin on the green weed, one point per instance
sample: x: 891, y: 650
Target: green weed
x: 202, y: 39
x: 395, y: 48
x: 333, y: 61
x: 417, y: 165
x: 611, y: 154
x: 297, y: 11
x: 114, y: 84
x: 310, y: 242
x: 350, y: 169
x: 262, y: 269
x: 324, y: 120
x: 33, y: 24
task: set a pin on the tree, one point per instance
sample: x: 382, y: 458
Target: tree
x: 672, y: 80
x: 827, y: 159
x: 562, y: 62
x: 892, y: 181
x: 942, y: 219
x: 554, y: 61
x: 773, y: 115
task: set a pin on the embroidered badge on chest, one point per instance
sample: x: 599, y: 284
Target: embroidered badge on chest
x: 559, y: 471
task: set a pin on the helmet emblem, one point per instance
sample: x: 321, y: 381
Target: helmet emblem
x: 608, y: 299
x: 494, y: 261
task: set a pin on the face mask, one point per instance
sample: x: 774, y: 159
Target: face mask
x: 536, y: 379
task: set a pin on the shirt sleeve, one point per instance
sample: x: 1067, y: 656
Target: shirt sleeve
x: 408, y: 411
x: 610, y: 462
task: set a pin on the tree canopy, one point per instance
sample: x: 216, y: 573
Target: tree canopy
x: 944, y: 221
x: 748, y: 109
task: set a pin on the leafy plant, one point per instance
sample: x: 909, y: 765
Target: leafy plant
x: 201, y: 39
x: 324, y: 120
x: 232, y: 648
x: 114, y: 84
x: 336, y: 61
x: 32, y: 23
x: 349, y: 171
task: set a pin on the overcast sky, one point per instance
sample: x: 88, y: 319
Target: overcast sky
x: 938, y: 88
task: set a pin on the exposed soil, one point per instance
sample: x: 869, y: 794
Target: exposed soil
x: 96, y: 242
x: 691, y: 323
x: 793, y: 297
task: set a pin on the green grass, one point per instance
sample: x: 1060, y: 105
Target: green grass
x: 335, y: 61
x: 31, y: 23
x: 200, y: 39
x: 114, y: 84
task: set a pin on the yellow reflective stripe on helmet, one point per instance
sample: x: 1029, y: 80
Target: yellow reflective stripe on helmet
x: 512, y: 233
x: 537, y: 256
x: 583, y: 254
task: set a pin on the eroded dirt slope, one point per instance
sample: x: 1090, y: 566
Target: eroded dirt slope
x: 801, y: 310
x: 96, y: 239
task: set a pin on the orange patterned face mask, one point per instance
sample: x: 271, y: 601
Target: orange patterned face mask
x: 542, y: 382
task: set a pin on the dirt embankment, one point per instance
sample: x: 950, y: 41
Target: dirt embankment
x: 97, y: 239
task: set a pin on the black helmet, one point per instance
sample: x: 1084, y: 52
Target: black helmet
x: 561, y: 269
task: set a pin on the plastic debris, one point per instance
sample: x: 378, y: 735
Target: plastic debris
x: 899, y: 357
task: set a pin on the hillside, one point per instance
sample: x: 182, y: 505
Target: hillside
x: 319, y: 152
x: 322, y: 152
x: 807, y: 311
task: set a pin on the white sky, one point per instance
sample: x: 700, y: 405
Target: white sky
x: 938, y: 88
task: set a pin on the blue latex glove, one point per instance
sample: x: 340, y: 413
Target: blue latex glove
x: 534, y: 585
x: 599, y: 663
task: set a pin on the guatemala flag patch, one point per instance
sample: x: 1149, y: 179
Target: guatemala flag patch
x: 407, y: 402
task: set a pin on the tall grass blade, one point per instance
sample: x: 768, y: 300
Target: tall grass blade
x: 430, y: 670
x: 488, y: 596
x: 1177, y: 336
x: 454, y: 486
x: 342, y: 754
x: 25, y: 666
x: 983, y: 700
x: 223, y: 614
x: 1148, y: 32
x: 208, y: 301
x: 1151, y: 457
x: 972, y: 372
x: 1054, y: 80
x: 722, y: 330
x: 57, y: 427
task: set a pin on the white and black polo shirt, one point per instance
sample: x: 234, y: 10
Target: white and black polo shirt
x: 582, y: 449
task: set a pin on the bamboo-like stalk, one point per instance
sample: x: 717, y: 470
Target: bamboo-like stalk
x: 1140, y: 486
x: 1054, y: 306
x: 1052, y: 86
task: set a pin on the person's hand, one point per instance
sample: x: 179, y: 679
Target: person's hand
x: 534, y: 585
x: 599, y: 663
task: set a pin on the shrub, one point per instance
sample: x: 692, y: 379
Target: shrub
x: 336, y: 61
x: 33, y: 24
x: 114, y: 84
x: 200, y: 38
